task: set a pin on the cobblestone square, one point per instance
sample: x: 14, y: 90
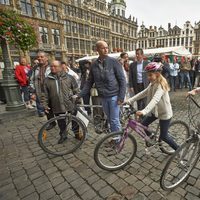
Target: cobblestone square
x: 28, y: 173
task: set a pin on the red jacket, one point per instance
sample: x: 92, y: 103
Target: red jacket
x: 21, y: 76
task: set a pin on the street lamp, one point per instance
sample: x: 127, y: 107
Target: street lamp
x: 9, y: 84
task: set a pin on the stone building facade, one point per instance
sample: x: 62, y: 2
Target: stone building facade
x: 69, y: 29
x: 154, y: 37
x: 197, y: 39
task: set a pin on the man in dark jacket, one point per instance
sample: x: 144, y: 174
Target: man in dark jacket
x: 109, y: 79
x: 137, y: 78
x: 59, y: 87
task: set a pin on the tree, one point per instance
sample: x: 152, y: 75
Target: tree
x: 16, y: 30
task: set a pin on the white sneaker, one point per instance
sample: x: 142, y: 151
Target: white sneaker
x: 29, y: 106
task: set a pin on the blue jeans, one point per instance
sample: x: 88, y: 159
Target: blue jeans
x: 185, y: 76
x: 40, y: 108
x: 164, y: 127
x: 26, y: 93
x: 111, y: 108
x: 172, y: 82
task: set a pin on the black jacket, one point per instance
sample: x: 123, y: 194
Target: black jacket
x: 109, y: 80
x: 133, y: 76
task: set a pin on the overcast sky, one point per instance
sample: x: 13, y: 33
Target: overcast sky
x: 161, y: 12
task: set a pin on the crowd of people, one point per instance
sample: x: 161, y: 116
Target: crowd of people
x: 109, y: 82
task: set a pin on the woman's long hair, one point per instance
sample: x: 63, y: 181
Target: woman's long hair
x: 162, y: 80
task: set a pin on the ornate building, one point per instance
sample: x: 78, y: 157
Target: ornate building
x: 175, y: 36
x: 69, y: 29
x: 197, y: 39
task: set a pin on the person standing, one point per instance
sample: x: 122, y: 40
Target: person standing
x: 66, y: 68
x: 58, y: 89
x: 174, y: 67
x: 137, y: 78
x: 40, y: 72
x: 108, y: 76
x: 22, y: 74
x: 197, y: 73
x: 85, y: 70
x: 184, y: 73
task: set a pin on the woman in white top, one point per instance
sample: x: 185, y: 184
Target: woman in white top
x: 158, y: 102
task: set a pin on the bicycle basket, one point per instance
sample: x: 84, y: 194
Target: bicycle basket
x: 194, y: 112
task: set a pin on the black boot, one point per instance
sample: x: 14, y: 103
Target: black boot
x: 50, y: 126
x: 63, y: 137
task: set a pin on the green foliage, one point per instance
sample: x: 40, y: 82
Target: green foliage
x: 16, y: 30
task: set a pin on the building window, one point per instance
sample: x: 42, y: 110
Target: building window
x: 88, y: 46
x: 6, y: 2
x: 43, y: 34
x: 56, y: 36
x: 191, y: 41
x: 40, y: 9
x: 67, y: 26
x: 26, y: 7
x: 178, y: 41
x: 69, y: 43
x: 76, y: 44
x: 118, y: 11
x: 53, y: 12
x: 82, y: 44
x: 182, y: 41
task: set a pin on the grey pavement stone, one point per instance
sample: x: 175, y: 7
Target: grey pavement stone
x: 99, y: 184
x: 62, y: 187
x: 119, y: 184
x: 67, y: 194
x: 89, y: 195
x: 26, y: 191
x: 47, y: 194
x: 33, y: 196
x: 106, y: 191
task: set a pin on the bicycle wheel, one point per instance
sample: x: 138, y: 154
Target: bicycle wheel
x: 179, y: 166
x: 48, y: 139
x: 179, y: 131
x: 113, y: 152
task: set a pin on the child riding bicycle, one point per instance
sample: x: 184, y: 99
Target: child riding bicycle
x: 158, y: 103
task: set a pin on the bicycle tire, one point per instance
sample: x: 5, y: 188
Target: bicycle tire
x: 41, y: 141
x: 164, y: 147
x: 99, y: 145
x: 171, y: 166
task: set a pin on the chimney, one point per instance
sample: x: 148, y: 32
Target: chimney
x: 169, y: 25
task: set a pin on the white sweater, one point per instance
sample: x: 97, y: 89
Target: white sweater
x: 158, y: 101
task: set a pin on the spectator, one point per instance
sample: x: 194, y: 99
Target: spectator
x: 58, y: 96
x: 22, y: 74
x: 137, y: 78
x: 166, y: 68
x: 67, y: 69
x: 108, y: 76
x: 197, y: 73
x: 174, y: 67
x: 41, y: 71
x: 85, y: 70
x: 185, y: 67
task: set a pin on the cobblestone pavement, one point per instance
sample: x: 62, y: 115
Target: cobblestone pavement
x: 28, y: 173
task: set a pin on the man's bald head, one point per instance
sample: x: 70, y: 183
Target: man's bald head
x: 56, y: 67
x: 102, y: 48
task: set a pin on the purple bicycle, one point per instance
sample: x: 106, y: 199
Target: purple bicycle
x: 118, y: 149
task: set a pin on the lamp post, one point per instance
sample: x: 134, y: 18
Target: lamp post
x: 10, y: 86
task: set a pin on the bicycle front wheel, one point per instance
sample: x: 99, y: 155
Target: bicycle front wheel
x: 74, y: 134
x: 179, y: 131
x: 180, y: 165
x: 114, y: 151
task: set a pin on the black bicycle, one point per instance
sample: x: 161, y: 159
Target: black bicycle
x: 183, y: 161
x: 48, y: 139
